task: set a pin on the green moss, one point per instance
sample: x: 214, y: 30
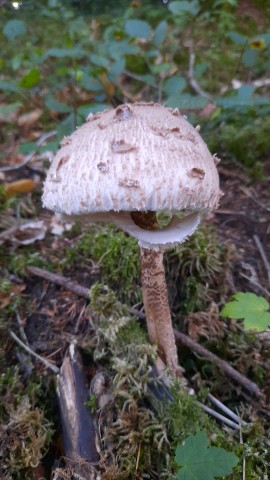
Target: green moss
x: 25, y: 432
x: 196, y: 270
x: 19, y: 262
x: 117, y: 256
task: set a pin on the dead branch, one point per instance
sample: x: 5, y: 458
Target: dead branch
x: 60, y: 280
x: 27, y: 158
x: 263, y: 255
x: 192, y: 80
x: 222, y: 364
x: 34, y: 354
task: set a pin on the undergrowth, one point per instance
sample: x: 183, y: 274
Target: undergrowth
x: 25, y: 432
x: 143, y: 421
x: 242, y: 137
x: 195, y: 270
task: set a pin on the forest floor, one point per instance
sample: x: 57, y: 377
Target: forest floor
x: 47, y: 317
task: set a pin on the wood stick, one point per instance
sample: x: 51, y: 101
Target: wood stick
x: 59, y: 280
x: 222, y: 364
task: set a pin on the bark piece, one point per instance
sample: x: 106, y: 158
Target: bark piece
x: 77, y: 422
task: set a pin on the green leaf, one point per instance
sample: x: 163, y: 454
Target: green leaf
x: 147, y: 78
x: 116, y: 69
x: 250, y: 57
x: 138, y: 29
x: 200, y: 462
x: 56, y: 106
x: 28, y: 147
x: 186, y: 101
x: 99, y: 61
x: 65, y: 52
x: 31, y: 79
x: 160, y: 33
x: 249, y: 307
x: 174, y: 85
x: 180, y: 7
x: 237, y: 38
x: 118, y: 49
x: 6, y: 109
x: 91, y: 84
x: 9, y: 87
x: 84, y: 110
x: 49, y: 147
x: 14, y: 28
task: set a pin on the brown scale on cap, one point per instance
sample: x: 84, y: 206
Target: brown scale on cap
x: 197, y: 173
x: 120, y: 146
x: 61, y: 162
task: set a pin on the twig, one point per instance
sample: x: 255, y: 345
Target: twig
x: 257, y: 284
x: 29, y: 157
x: 20, y: 325
x: 244, y: 457
x: 263, y: 255
x: 249, y: 195
x: 161, y: 371
x: 191, y: 79
x: 60, y: 280
x: 226, y: 410
x: 222, y: 364
x: 31, y: 352
x: 220, y: 417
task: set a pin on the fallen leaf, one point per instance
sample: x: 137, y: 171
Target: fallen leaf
x: 29, y: 118
x: 24, y: 185
x: 7, y: 296
x: 24, y: 234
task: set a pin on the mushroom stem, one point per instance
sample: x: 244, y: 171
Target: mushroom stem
x: 156, y: 304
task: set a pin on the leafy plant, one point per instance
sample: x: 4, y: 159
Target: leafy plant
x: 197, y: 461
x: 251, y: 308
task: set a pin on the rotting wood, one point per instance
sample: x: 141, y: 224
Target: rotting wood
x: 78, y: 423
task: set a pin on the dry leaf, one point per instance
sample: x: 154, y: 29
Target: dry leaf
x: 29, y: 118
x: 6, y: 297
x: 24, y: 234
x: 25, y: 185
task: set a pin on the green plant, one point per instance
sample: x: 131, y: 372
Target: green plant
x: 197, y: 461
x: 249, y: 307
x: 20, y: 262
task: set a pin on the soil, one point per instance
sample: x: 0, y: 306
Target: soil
x: 243, y: 218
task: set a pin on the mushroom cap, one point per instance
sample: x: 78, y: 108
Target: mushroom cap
x: 140, y: 156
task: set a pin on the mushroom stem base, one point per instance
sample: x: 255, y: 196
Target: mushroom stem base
x: 156, y: 304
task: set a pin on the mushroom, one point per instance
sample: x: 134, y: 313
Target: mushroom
x: 123, y: 166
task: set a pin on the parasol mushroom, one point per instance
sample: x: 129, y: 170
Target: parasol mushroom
x: 124, y: 165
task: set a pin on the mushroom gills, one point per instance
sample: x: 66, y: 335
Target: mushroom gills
x: 178, y: 230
